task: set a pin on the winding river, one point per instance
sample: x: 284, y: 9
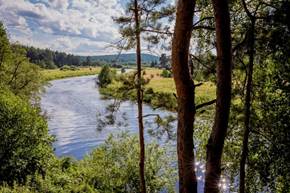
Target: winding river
x: 74, y: 108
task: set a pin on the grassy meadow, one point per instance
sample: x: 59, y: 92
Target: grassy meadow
x: 159, y: 92
x: 166, y: 85
x: 59, y: 74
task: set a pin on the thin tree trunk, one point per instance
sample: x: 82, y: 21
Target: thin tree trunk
x: 185, y: 96
x: 139, y: 101
x: 249, y: 83
x: 224, y: 71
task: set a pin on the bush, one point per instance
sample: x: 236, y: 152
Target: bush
x: 67, y: 67
x: 25, y: 145
x: 166, y: 74
x: 105, y: 77
x: 115, y: 166
x: 112, y: 167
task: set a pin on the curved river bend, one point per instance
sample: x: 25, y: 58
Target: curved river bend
x: 73, y: 106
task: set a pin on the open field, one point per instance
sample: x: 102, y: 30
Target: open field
x: 159, y: 92
x: 59, y: 74
x: 161, y: 84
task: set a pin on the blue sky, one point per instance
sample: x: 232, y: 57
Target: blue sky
x: 82, y: 27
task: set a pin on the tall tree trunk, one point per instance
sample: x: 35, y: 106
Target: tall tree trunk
x: 185, y: 96
x: 224, y: 71
x: 139, y: 101
x: 247, y: 106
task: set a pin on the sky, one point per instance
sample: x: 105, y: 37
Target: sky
x: 81, y: 27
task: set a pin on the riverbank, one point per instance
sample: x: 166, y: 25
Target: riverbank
x: 60, y: 74
x: 159, y: 92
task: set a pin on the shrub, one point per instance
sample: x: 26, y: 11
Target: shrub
x: 115, y: 166
x: 25, y: 145
x: 166, y: 74
x: 105, y: 77
x: 112, y: 167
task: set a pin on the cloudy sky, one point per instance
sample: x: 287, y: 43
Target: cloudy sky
x: 81, y: 27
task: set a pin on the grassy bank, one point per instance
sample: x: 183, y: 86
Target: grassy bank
x: 59, y: 74
x: 159, y: 92
x: 166, y: 85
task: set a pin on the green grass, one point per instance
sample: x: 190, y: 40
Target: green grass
x: 159, y: 84
x: 59, y: 74
x: 162, y: 90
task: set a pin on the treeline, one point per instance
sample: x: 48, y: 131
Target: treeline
x: 49, y: 59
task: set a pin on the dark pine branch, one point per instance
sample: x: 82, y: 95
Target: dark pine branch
x: 205, y: 104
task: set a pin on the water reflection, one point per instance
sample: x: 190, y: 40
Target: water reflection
x: 72, y: 106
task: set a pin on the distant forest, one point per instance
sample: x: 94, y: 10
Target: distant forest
x: 49, y: 59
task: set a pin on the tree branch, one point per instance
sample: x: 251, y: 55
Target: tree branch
x: 205, y: 104
x: 201, y: 20
x: 203, y: 27
x: 199, y: 84
x: 157, y: 31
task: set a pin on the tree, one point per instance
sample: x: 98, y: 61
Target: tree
x: 185, y: 96
x: 88, y: 61
x: 248, y: 98
x: 25, y: 146
x: 163, y: 60
x: 17, y: 73
x: 224, y: 73
x: 142, y: 17
x: 105, y: 77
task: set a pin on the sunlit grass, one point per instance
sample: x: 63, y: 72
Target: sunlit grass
x: 159, y: 84
x: 59, y: 74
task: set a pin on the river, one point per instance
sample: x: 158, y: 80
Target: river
x: 74, y: 107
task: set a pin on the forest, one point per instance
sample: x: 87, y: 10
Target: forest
x: 224, y: 83
x: 49, y: 59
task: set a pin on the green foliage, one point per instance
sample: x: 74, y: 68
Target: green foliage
x: 115, y: 166
x: 49, y: 59
x: 163, y: 61
x: 16, y: 73
x: 67, y: 67
x: 112, y: 167
x: 25, y: 146
x: 105, y: 77
x: 151, y: 13
x: 166, y: 74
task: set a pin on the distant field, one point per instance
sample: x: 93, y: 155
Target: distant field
x: 160, y: 84
x: 59, y: 74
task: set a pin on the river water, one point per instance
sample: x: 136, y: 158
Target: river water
x: 74, y: 108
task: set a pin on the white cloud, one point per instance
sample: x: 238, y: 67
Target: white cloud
x: 75, y: 26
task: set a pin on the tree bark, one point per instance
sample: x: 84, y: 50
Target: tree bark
x: 140, y: 101
x: 185, y: 96
x: 247, y: 106
x: 224, y: 71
